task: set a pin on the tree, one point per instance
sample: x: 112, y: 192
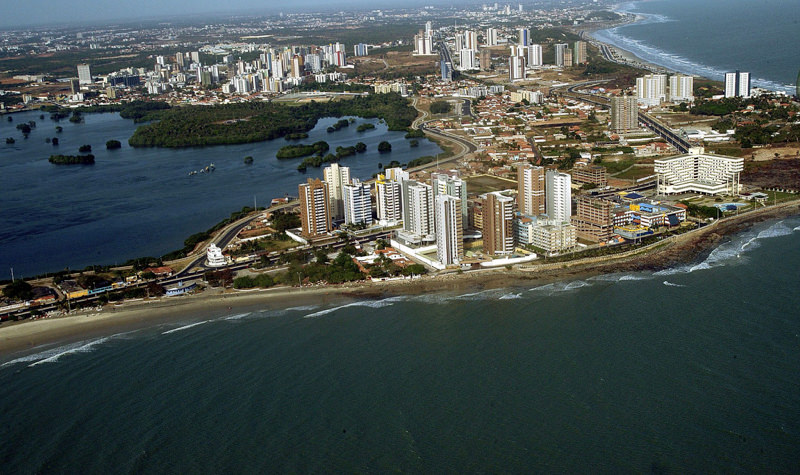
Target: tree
x: 384, y: 147
x: 361, y: 147
x: 440, y: 107
x: 85, y: 148
x: 155, y: 290
x: 111, y: 145
x: 18, y: 290
x: 248, y: 160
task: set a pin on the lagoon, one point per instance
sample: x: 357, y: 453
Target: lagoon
x: 136, y: 202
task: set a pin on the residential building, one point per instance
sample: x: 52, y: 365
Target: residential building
x: 446, y: 184
x: 360, y: 49
x: 681, y: 88
x: 530, y: 191
x: 468, y: 61
x: 651, y: 90
x: 498, y: 223
x: 561, y: 50
x: 357, y: 203
x: 698, y: 172
x: 552, y: 236
x: 535, y: 56
x: 595, y: 174
x: 417, y: 199
x: 447, y: 70
x: 336, y: 177
x: 579, y: 55
x: 737, y: 84
x: 558, y: 192
x: 523, y: 36
x: 485, y: 59
x: 624, y: 114
x: 516, y: 68
x: 315, y: 216
x: 471, y: 40
x: 84, y: 74
x: 449, y: 230
x: 594, y: 219
x: 491, y: 37
x: 388, y: 201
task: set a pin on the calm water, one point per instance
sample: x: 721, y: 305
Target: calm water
x: 142, y: 202
x: 688, y: 370
x: 711, y: 37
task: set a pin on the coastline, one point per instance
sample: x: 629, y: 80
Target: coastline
x: 19, y: 338
x: 680, y: 64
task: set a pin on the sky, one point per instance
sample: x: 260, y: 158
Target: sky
x: 15, y: 13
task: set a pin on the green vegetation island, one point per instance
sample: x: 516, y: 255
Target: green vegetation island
x: 256, y: 122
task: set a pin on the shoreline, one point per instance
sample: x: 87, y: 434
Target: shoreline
x: 28, y: 337
x: 632, y: 59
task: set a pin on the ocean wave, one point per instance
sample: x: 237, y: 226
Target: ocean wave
x: 734, y: 251
x: 54, y: 354
x: 185, y: 327
x: 238, y: 316
x: 302, y: 308
x: 362, y: 303
x: 510, y: 296
x: 670, y: 284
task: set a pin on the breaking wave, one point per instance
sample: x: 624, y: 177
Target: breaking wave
x: 53, y: 355
x: 185, y: 327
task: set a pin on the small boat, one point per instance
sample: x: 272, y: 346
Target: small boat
x: 193, y: 173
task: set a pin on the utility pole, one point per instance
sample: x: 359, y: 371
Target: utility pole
x: 12, y: 275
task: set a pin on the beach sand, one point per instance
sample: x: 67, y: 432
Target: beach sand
x: 18, y: 338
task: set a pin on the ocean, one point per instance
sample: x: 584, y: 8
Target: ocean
x: 136, y: 202
x: 690, y: 369
x: 712, y: 37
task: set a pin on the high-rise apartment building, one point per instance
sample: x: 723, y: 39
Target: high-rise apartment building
x: 388, y: 200
x: 485, y: 59
x: 336, y: 177
x: 357, y: 203
x: 516, y: 68
x: 561, y: 50
x: 468, y: 60
x: 417, y: 199
x: 558, y: 192
x: 315, y: 218
x: 491, y: 37
x: 535, y: 56
x: 84, y: 74
x: 523, y: 36
x: 530, y: 190
x: 498, y: 223
x: 594, y: 219
x: 449, y: 230
x: 698, y: 172
x: 579, y: 54
x: 624, y: 114
x: 737, y: 84
x: 471, y: 40
x: 446, y: 70
x: 444, y: 184
x: 681, y: 88
x: 651, y: 90
x: 360, y: 49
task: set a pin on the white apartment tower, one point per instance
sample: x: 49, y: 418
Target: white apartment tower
x: 449, y: 230
x: 737, y: 84
x: 681, y: 88
x: 579, y: 55
x: 561, y: 51
x: 491, y: 37
x: 357, y: 203
x: 444, y: 184
x: 417, y: 199
x: 336, y: 177
x: 468, y: 60
x: 651, y: 90
x: 559, y: 196
x: 84, y: 74
x: 523, y: 36
x: 516, y: 68
x: 535, y: 56
x: 388, y: 201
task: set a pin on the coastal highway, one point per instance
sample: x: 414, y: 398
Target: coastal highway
x: 645, y: 119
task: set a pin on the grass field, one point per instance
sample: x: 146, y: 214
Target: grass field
x: 480, y: 184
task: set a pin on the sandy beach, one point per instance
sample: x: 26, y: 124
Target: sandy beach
x: 31, y: 336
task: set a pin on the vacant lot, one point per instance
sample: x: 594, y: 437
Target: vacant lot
x: 480, y: 184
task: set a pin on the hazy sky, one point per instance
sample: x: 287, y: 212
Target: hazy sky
x: 16, y: 13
